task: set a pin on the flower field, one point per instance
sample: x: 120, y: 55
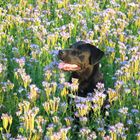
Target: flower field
x: 33, y: 91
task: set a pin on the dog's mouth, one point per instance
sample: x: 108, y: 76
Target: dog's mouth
x: 68, y: 67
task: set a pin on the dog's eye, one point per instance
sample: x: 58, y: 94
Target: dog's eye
x: 81, y: 57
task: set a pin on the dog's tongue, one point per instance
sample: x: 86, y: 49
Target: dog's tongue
x: 68, y: 67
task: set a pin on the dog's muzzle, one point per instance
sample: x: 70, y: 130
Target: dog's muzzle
x: 65, y: 65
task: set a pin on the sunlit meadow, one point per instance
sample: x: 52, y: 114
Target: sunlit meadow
x: 33, y: 92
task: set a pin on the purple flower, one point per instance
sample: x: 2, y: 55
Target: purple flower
x: 135, y: 111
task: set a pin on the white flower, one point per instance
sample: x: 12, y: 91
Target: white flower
x: 123, y: 110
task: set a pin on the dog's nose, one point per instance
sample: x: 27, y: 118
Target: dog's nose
x: 61, y: 53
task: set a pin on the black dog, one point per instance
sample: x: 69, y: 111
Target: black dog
x: 82, y: 59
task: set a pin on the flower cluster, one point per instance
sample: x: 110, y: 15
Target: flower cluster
x: 32, y: 87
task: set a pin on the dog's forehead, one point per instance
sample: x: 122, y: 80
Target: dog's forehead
x: 80, y: 45
x: 83, y: 48
x: 75, y: 45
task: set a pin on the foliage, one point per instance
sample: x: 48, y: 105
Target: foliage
x: 33, y: 92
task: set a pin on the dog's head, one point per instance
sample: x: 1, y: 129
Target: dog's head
x: 79, y: 56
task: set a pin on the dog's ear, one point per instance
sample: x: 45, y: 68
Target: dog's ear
x: 95, y: 54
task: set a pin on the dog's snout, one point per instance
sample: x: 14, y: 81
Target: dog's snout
x: 61, y: 53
